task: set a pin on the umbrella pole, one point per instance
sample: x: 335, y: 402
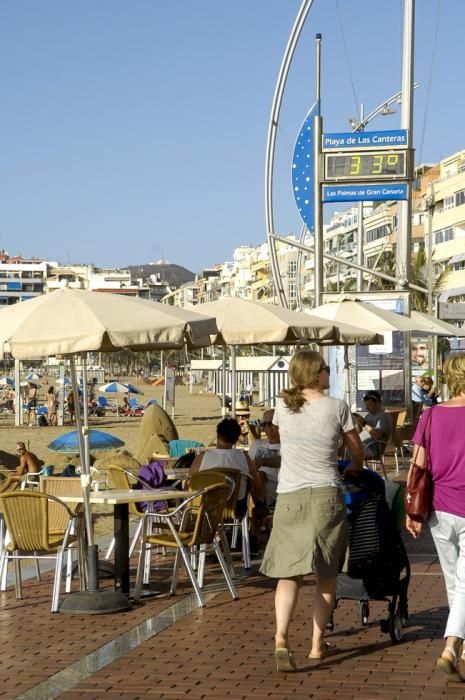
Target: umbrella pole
x: 233, y: 380
x: 85, y: 473
x: 346, y: 374
x: 92, y: 601
x: 223, y: 382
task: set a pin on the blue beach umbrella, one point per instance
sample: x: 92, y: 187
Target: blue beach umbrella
x: 6, y: 381
x: 114, y: 388
x: 134, y: 389
x: 98, y: 440
x: 33, y: 377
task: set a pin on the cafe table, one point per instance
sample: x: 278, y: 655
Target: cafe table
x: 120, y: 501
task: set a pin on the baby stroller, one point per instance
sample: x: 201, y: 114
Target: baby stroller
x: 377, y: 565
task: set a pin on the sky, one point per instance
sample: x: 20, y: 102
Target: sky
x: 135, y: 130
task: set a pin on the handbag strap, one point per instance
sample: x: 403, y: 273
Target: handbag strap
x: 425, y: 443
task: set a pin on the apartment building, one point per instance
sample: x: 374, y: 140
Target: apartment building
x: 447, y: 199
x: 21, y: 279
x: 97, y: 279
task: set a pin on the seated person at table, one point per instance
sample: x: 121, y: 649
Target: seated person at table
x: 28, y: 463
x: 375, y: 427
x: 266, y: 455
x: 224, y: 455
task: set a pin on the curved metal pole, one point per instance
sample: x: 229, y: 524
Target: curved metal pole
x: 271, y: 142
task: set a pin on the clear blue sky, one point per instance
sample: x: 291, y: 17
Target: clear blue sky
x: 136, y: 129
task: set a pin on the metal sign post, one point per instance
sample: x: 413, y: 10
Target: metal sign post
x: 169, y: 393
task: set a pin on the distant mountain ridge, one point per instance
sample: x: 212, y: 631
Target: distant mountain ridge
x: 172, y: 275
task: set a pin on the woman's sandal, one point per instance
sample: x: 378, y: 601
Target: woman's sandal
x: 328, y: 650
x: 284, y: 660
x: 450, y: 668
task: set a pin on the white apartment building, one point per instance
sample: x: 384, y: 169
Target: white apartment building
x: 448, y: 225
x: 21, y: 279
x: 97, y: 279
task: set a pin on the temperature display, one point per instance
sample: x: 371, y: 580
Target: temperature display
x: 372, y: 165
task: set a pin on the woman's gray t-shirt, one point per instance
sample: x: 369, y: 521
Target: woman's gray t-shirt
x: 310, y: 441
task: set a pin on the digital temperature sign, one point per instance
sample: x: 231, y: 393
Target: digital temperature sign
x: 366, y: 165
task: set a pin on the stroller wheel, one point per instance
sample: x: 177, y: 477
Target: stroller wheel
x: 395, y: 627
x: 363, y: 612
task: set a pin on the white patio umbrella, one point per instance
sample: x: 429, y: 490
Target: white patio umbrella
x: 244, y: 322
x: 366, y: 315
x: 70, y: 321
x: 436, y: 326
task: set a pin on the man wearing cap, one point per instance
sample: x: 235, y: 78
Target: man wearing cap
x: 375, y: 427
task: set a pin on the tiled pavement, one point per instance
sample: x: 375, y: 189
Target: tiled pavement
x: 224, y: 650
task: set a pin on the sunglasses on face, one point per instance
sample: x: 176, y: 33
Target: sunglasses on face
x: 325, y: 367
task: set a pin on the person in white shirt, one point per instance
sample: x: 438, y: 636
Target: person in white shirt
x: 266, y: 455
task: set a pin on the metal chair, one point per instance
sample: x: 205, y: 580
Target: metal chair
x: 383, y: 446
x: 202, y: 480
x: 27, y: 521
x: 201, y: 515
x: 60, y: 487
x: 123, y: 479
x: 230, y: 518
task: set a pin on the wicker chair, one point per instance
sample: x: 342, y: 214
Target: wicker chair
x: 201, y: 515
x: 230, y: 518
x: 123, y: 479
x: 60, y: 487
x: 26, y: 515
x: 198, y: 482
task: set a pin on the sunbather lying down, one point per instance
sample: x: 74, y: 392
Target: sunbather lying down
x: 28, y: 464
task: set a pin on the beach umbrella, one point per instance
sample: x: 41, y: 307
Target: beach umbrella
x: 70, y: 321
x: 33, y: 377
x: 244, y: 322
x: 6, y: 381
x: 98, y: 440
x: 114, y: 388
x: 65, y: 381
x: 134, y: 389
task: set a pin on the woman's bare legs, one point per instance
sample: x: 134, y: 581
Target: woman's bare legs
x: 323, y: 605
x: 287, y: 592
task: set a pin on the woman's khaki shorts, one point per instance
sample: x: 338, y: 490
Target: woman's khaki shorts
x: 309, y: 534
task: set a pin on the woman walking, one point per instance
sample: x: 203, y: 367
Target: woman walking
x: 443, y: 438
x: 309, y: 524
x: 51, y: 406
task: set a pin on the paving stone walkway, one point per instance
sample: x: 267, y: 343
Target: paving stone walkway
x: 168, y: 648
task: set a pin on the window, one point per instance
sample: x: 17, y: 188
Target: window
x: 459, y: 198
x: 378, y: 232
x: 449, y: 202
x: 459, y: 265
x: 443, y: 235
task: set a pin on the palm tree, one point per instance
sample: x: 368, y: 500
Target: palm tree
x: 420, y: 271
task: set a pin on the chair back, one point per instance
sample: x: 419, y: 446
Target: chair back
x: 60, y: 486
x: 231, y: 505
x: 210, y: 477
x: 26, y: 516
x: 119, y: 479
x: 208, y: 514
